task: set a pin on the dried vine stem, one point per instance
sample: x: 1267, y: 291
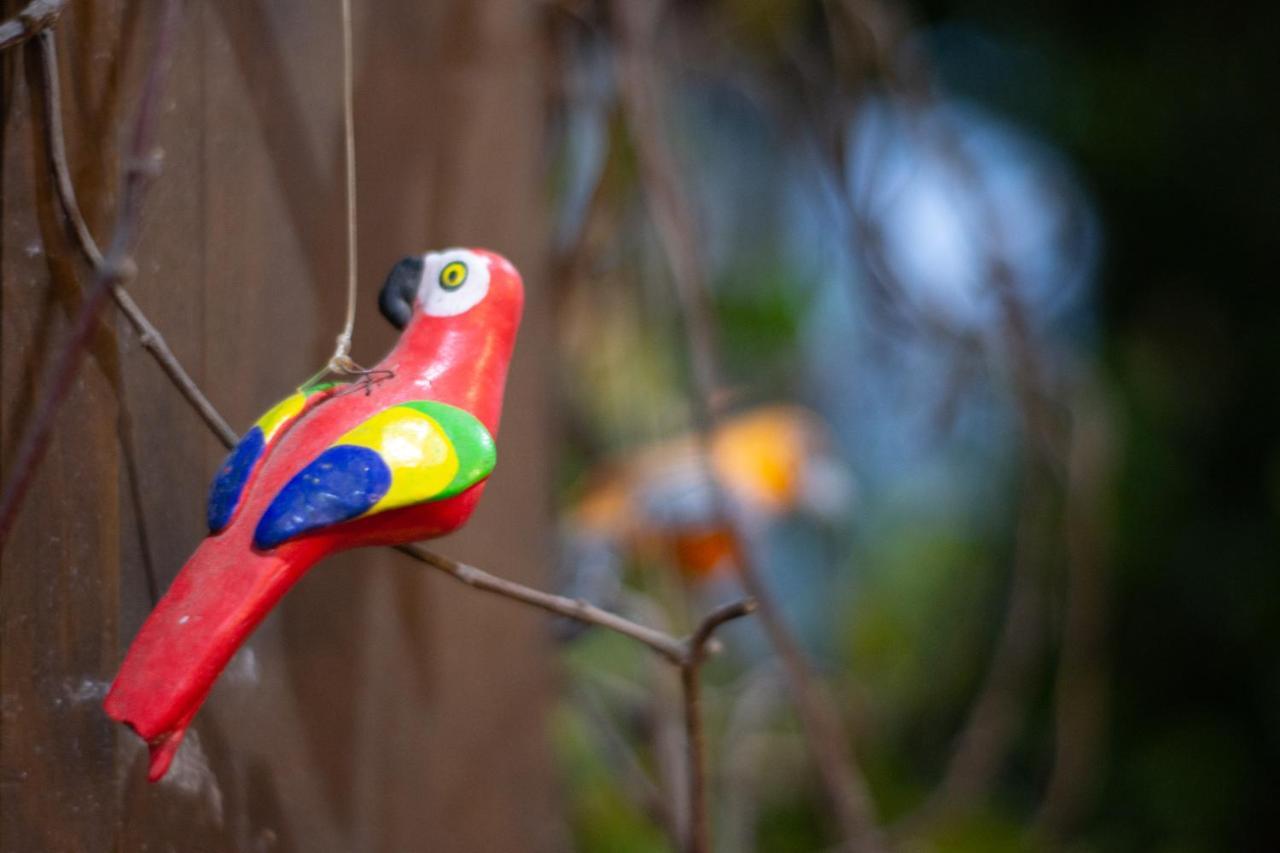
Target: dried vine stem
x: 117, y: 267
x: 148, y: 336
x: 34, y: 18
x: 675, y: 220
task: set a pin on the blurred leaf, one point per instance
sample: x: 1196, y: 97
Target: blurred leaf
x: 759, y: 308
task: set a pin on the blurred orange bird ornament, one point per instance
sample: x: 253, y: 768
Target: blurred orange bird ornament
x: 772, y: 461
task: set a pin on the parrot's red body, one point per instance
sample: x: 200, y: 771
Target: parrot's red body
x: 230, y: 583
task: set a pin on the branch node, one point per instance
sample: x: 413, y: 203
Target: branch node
x: 149, y: 165
x: 119, y: 270
x: 33, y: 19
x: 701, y: 644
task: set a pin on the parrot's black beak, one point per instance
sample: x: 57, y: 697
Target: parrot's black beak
x: 400, y: 289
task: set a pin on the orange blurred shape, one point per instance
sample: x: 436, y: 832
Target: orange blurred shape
x: 700, y: 553
x: 642, y: 499
x: 759, y: 456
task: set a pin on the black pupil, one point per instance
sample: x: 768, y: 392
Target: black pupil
x: 453, y: 275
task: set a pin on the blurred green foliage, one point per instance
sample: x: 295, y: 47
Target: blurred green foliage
x: 1165, y: 111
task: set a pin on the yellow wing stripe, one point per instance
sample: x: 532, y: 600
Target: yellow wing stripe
x: 416, y: 449
x: 280, y: 414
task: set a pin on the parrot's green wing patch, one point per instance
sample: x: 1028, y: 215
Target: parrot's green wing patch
x: 232, y: 477
x: 408, y: 454
x: 473, y: 446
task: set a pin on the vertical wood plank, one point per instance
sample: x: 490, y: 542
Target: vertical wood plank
x: 60, y: 570
x: 378, y: 709
x: 487, y: 179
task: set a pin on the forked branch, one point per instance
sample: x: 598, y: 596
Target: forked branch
x: 34, y: 18
x: 678, y: 652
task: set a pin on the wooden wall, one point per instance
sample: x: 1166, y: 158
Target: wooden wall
x: 378, y: 708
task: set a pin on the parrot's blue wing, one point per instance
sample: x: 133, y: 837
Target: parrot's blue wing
x: 228, y: 485
x: 343, y: 483
x: 408, y: 454
x: 232, y: 477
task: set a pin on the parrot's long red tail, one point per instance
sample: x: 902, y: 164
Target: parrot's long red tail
x: 216, y: 601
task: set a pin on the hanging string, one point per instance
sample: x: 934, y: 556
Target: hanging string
x: 340, y: 362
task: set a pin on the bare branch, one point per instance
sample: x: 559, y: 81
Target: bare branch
x: 687, y: 655
x: 980, y: 748
x: 1081, y: 700
x: 676, y: 222
x: 148, y: 335
x: 116, y: 268
x: 574, y: 608
x: 55, y: 142
x: 699, y: 834
x: 699, y: 642
x: 34, y: 18
x: 983, y: 743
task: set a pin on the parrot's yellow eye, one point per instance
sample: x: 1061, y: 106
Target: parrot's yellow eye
x: 461, y: 282
x: 453, y: 275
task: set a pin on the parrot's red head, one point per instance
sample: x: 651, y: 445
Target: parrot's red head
x: 452, y: 289
x: 459, y: 311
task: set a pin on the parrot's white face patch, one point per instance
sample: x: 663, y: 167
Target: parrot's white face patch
x: 453, y: 281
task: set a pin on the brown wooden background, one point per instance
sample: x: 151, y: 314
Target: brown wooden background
x: 379, y: 708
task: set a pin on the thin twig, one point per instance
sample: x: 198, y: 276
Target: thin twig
x: 666, y: 736
x: 575, y: 608
x: 987, y: 737
x: 117, y: 267
x: 983, y: 743
x: 45, y: 91
x: 675, y: 221
x: 148, y: 336
x: 688, y: 655
x: 699, y: 833
x: 981, y: 746
x: 1081, y: 699
x: 34, y: 18
x: 55, y: 143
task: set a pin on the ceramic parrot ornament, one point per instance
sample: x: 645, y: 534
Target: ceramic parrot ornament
x: 401, y: 455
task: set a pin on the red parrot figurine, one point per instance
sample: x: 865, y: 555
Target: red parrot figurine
x: 401, y: 455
